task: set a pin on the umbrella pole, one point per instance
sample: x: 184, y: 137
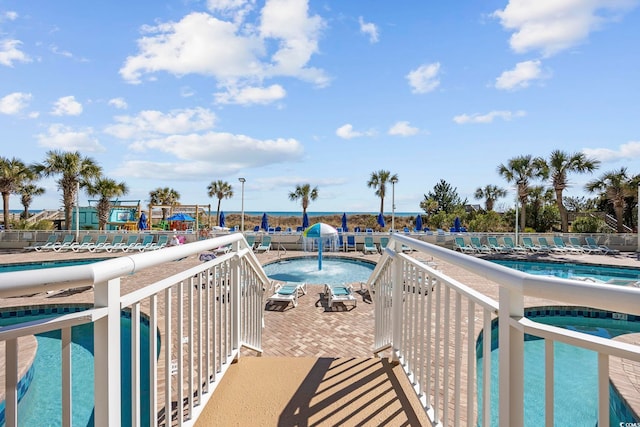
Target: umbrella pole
x: 320, y: 245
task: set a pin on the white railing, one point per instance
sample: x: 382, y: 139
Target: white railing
x: 199, y: 318
x: 432, y: 322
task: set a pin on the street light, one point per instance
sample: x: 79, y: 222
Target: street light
x: 517, y: 216
x: 242, y: 180
x: 393, y: 203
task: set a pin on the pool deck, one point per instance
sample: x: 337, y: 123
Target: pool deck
x: 313, y: 330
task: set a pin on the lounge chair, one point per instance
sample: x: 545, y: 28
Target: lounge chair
x: 222, y: 249
x: 146, y: 243
x: 100, y: 241
x: 131, y: 243
x: 493, y: 244
x: 557, y: 240
x: 66, y: 243
x: 288, y: 292
x: 251, y: 241
x: 478, y: 246
x: 265, y: 244
x: 575, y: 242
x: 339, y: 294
x: 163, y: 240
x: 351, y: 243
x: 528, y: 244
x: 51, y: 240
x: 369, y: 246
x: 460, y: 246
x: 591, y: 242
x: 116, y: 244
x: 83, y: 244
x: 117, y: 239
x: 544, y: 244
x: 384, y: 241
x: 508, y: 242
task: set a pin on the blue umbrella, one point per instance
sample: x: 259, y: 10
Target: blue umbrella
x: 381, y: 220
x: 419, y: 222
x: 221, y: 222
x: 456, y: 225
x: 305, y: 220
x: 142, y: 222
x: 265, y: 222
x: 344, y: 222
x: 181, y: 217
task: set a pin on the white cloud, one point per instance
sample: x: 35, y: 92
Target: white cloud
x: 197, y: 155
x: 118, y: 103
x: 369, y: 29
x: 347, y: 132
x: 14, y: 103
x: 403, y: 129
x: 251, y: 95
x: 551, y: 26
x: 424, y: 79
x: 520, y: 77
x: 488, y: 118
x: 630, y: 150
x: 9, y: 16
x: 237, y: 53
x: 67, y: 106
x: 60, y: 137
x: 151, y: 123
x: 10, y: 52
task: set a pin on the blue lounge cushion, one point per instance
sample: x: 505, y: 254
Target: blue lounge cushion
x: 287, y: 290
x: 341, y: 290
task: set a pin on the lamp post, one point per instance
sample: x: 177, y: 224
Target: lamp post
x: 638, y: 225
x: 393, y: 203
x: 517, y: 216
x: 77, y: 210
x: 242, y: 180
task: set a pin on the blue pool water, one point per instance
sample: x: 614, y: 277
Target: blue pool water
x: 576, y: 398
x: 4, y: 268
x: 335, y: 271
x: 41, y: 405
x: 566, y: 270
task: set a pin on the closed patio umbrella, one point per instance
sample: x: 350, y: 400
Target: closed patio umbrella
x: 142, y: 222
x: 305, y: 220
x: 419, y: 222
x: 381, y: 220
x: 221, y: 219
x: 265, y: 222
x: 344, y: 222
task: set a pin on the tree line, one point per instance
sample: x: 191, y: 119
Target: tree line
x: 541, y: 207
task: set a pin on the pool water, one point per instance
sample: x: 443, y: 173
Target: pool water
x: 21, y: 266
x: 567, y: 270
x: 42, y: 403
x: 576, y: 396
x: 335, y: 271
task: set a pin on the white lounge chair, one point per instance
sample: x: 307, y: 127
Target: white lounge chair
x: 265, y: 245
x: 287, y: 292
x: 339, y: 294
x: 369, y: 246
x: 51, y: 240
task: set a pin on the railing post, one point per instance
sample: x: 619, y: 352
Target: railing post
x: 396, y: 305
x: 235, y: 300
x: 511, y: 353
x: 106, y: 336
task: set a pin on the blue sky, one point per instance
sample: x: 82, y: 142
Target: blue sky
x: 286, y: 92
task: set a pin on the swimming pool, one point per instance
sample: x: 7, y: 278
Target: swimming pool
x: 21, y: 266
x: 576, y: 387
x: 41, y: 404
x: 335, y: 270
x: 602, y: 273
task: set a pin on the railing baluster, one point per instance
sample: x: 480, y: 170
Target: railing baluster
x: 457, y: 359
x: 180, y: 351
x: 471, y: 361
x: 11, y: 382
x: 168, y: 363
x: 445, y: 357
x: 436, y: 366
x: 135, y: 365
x: 549, y: 368
x: 67, y: 404
x: 486, y: 369
x: 153, y: 361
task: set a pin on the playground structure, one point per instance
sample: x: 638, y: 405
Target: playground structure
x: 196, y: 212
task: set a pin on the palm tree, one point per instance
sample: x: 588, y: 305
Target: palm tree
x: 521, y: 170
x: 164, y: 196
x: 557, y: 167
x: 221, y: 190
x: 13, y: 172
x: 490, y: 193
x: 73, y: 169
x: 106, y: 189
x: 615, y: 186
x: 378, y: 180
x: 27, y: 193
x: 305, y: 194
